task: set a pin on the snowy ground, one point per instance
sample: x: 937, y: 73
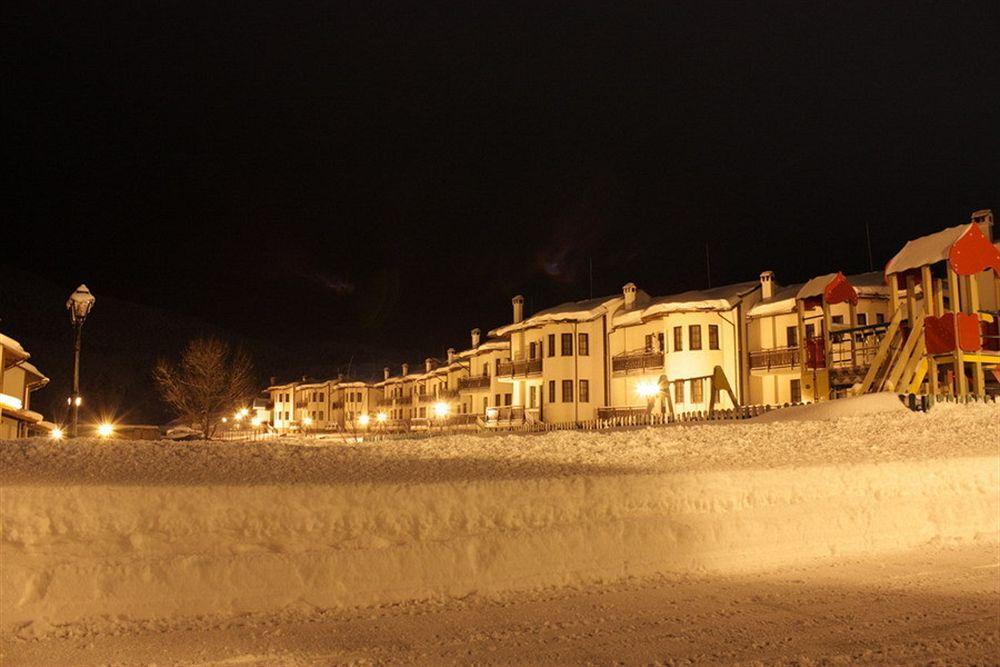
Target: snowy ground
x: 225, y: 544
x: 932, y: 606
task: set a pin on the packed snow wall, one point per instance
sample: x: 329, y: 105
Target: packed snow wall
x: 78, y: 550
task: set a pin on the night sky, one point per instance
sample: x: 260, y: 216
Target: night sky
x: 392, y: 174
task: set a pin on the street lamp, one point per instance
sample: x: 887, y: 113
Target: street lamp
x: 79, y: 304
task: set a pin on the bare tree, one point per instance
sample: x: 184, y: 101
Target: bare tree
x: 210, y: 381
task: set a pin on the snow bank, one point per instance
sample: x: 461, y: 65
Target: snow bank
x: 163, y: 530
x: 853, y: 406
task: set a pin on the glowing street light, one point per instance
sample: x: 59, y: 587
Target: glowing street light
x: 364, y: 419
x: 381, y: 417
x: 56, y: 434
x: 105, y: 430
x: 243, y: 412
x: 441, y: 409
x: 307, y: 421
x: 647, y: 389
x: 79, y: 304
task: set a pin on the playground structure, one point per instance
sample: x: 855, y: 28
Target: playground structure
x: 717, y: 383
x: 838, y: 356
x: 942, y: 338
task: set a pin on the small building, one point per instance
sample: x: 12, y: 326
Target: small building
x: 18, y: 380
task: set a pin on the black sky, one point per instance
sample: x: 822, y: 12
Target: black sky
x: 394, y: 173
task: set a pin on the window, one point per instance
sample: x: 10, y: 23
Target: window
x: 486, y: 403
x: 532, y: 396
x: 795, y: 390
x: 322, y: 396
x: 552, y: 391
x: 583, y: 344
x: 792, y: 336
x: 810, y: 331
x: 678, y: 339
x: 659, y: 339
x: 532, y: 350
x: 567, y: 344
x: 496, y: 400
x: 837, y: 319
x: 552, y: 345
x: 713, y: 336
x: 862, y: 319
x: 649, y: 342
x: 694, y: 337
x: 508, y: 399
x: 879, y: 318
x: 585, y: 391
x: 678, y: 392
x: 696, y: 389
x: 567, y: 391
x: 423, y: 412
x: 322, y: 416
x: 496, y: 371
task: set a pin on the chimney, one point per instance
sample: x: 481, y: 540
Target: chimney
x: 629, y: 292
x: 406, y: 369
x: 451, y: 355
x: 385, y: 373
x: 767, y: 284
x: 518, y: 303
x: 984, y: 218
x: 428, y: 364
x: 475, y: 340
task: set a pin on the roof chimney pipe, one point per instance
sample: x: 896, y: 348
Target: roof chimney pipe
x: 518, y: 303
x: 406, y: 369
x: 767, y: 284
x: 428, y: 364
x: 628, y: 291
x: 475, y: 340
x: 385, y: 373
x: 451, y: 355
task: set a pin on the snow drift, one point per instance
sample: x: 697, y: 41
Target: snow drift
x: 161, y: 530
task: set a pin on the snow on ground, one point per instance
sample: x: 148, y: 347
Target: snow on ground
x: 164, y: 531
x: 937, y: 606
x: 852, y: 406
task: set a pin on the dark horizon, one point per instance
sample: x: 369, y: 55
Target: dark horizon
x: 389, y: 177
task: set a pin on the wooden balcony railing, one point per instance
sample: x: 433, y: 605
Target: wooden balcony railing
x: 636, y: 360
x: 780, y: 357
x: 521, y: 368
x: 477, y: 382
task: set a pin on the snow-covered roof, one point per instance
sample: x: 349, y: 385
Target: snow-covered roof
x: 782, y: 301
x: 12, y: 345
x: 30, y: 368
x: 715, y: 298
x: 574, y: 311
x: 926, y: 250
x: 869, y: 284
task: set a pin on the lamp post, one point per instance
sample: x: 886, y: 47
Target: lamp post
x: 79, y: 304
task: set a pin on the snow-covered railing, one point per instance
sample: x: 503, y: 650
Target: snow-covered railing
x: 924, y: 402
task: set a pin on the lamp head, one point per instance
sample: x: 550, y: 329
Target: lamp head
x: 79, y: 304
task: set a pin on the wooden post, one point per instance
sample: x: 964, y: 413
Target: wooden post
x: 930, y: 308
x: 954, y: 305
x: 939, y: 297
x: 893, y: 294
x: 978, y: 380
x: 827, y: 340
x: 911, y: 300
x: 853, y: 315
x: 801, y: 323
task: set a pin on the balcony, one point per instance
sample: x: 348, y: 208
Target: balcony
x: 477, y: 382
x: 637, y: 360
x: 521, y: 368
x: 779, y: 357
x: 447, y: 393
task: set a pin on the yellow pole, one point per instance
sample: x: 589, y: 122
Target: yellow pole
x: 930, y: 308
x: 978, y: 380
x: 954, y: 301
